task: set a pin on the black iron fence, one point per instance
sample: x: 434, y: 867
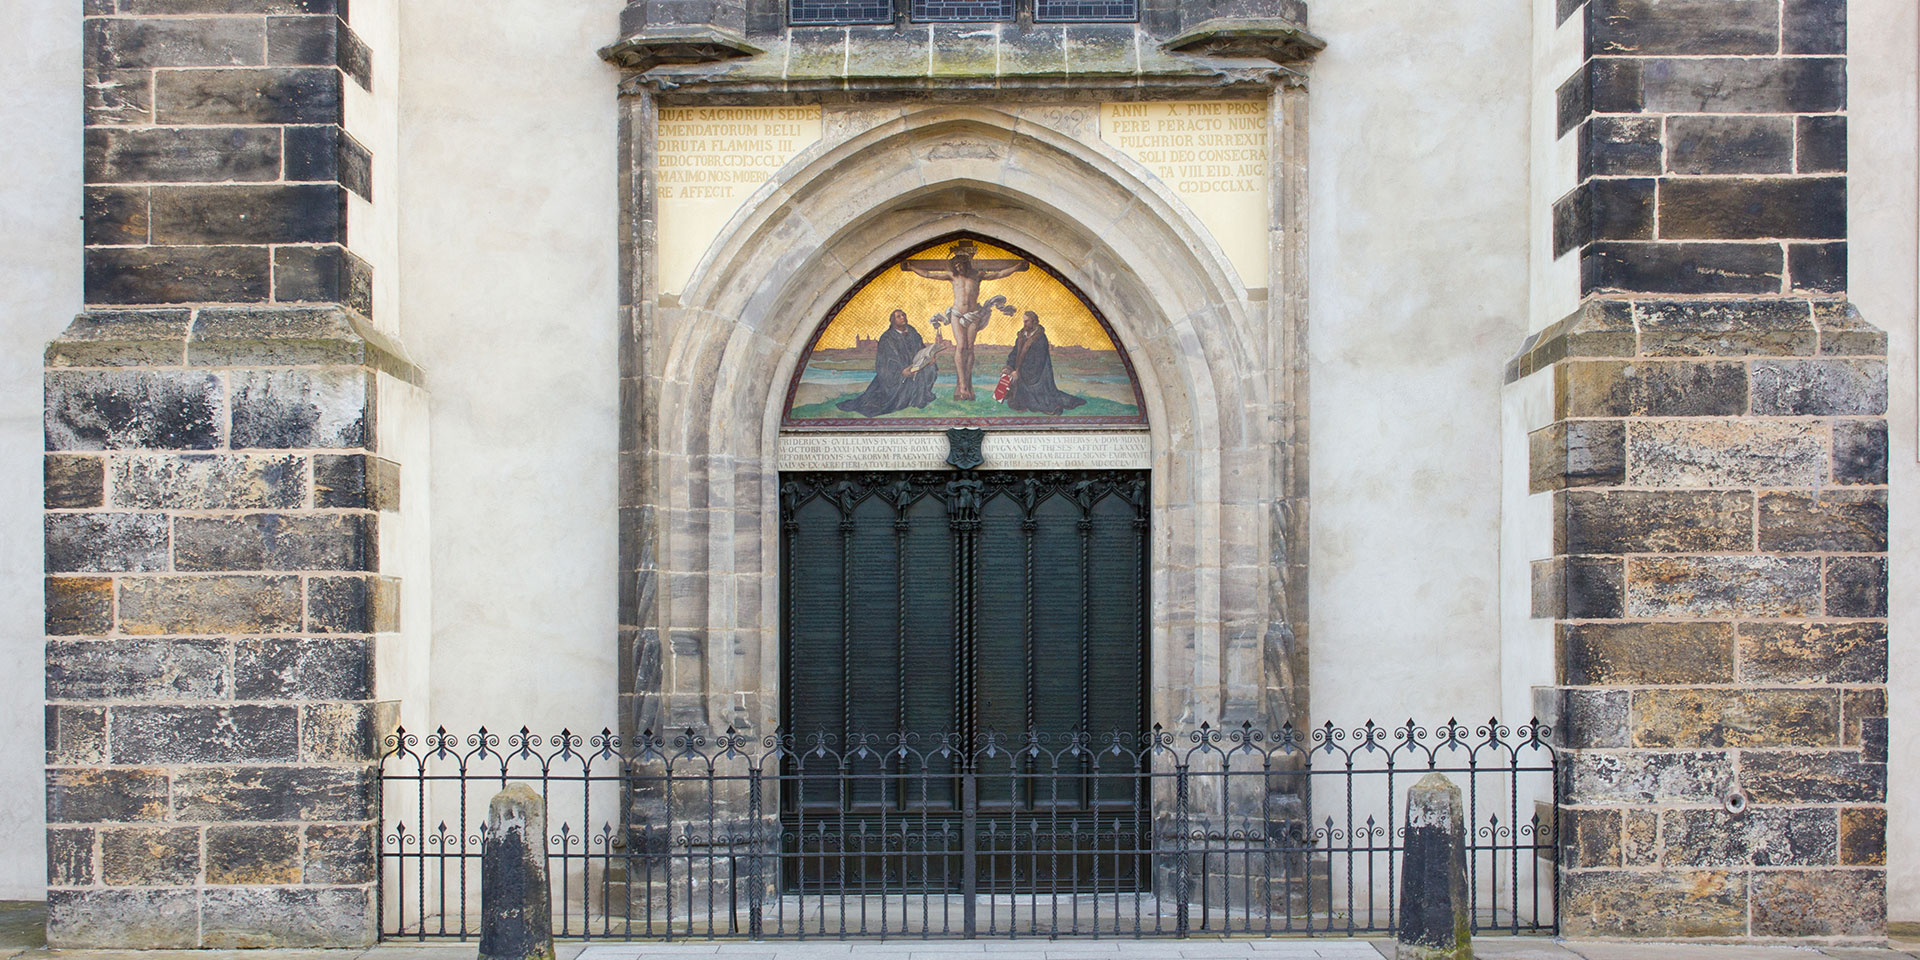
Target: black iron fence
x: 1207, y: 832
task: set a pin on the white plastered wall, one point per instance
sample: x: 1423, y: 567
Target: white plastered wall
x: 39, y: 295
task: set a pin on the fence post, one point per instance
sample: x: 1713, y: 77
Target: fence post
x: 1182, y: 870
x: 756, y: 882
x: 516, y: 908
x: 1435, y: 923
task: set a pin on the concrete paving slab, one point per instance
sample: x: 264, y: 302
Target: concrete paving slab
x: 1688, y: 951
x: 1520, y: 948
x: 23, y: 925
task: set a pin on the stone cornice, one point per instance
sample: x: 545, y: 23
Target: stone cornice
x: 678, y: 45
x: 1282, y: 41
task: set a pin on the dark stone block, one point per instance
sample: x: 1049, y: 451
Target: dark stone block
x: 1814, y: 26
x: 1653, y: 521
x: 210, y: 482
x: 1744, y: 85
x: 142, y: 42
x: 117, y: 215
x: 1863, y: 837
x: 1856, y: 587
x: 271, y: 95
x: 516, y: 910
x: 356, y: 59
x: 106, y: 796
x: 1819, y: 388
x: 79, y: 606
x: 1762, y: 837
x: 1683, y: 268
x: 1822, y: 144
x: 1577, y: 453
x: 1817, y: 652
x: 1794, y: 717
x: 1686, y: 27
x: 1873, y: 740
x: 157, y: 918
x: 312, y: 41
x: 328, y: 153
x: 276, y: 213
x: 119, y: 97
x: 356, y: 482
x: 330, y: 669
x: 73, y: 483
x: 121, y: 155
x: 1592, y: 838
x: 328, y: 274
x: 1603, y: 210
x: 274, y: 794
x: 303, y: 408
x: 1635, y: 654
x: 1860, y: 451
x: 1617, y: 85
x: 1817, y: 267
x: 150, y: 857
x: 1726, y: 328
x: 1730, y: 144
x: 129, y: 669
x: 1860, y: 707
x: 106, y: 542
x: 70, y: 857
x: 353, y: 604
x: 1843, y: 332
x: 272, y: 541
x: 1723, y: 208
x: 75, y: 736
x: 209, y: 605
x: 1722, y: 587
x: 338, y: 733
x: 1830, y: 521
x: 1673, y: 388
x: 153, y: 7
x: 246, y: 917
x: 339, y: 853
x: 204, y: 734
x: 177, y: 275
x: 250, y: 855
x: 1824, y: 776
x: 1595, y: 588
x: 1621, y: 146
x: 132, y: 409
x: 1573, y: 101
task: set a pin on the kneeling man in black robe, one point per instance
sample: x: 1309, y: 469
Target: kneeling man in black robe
x: 897, y: 384
x: 1033, y: 389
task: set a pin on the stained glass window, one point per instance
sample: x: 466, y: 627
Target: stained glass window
x: 962, y: 10
x: 802, y: 13
x: 1086, y: 11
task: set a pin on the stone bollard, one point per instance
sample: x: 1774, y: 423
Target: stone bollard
x: 1434, y: 922
x: 516, y: 916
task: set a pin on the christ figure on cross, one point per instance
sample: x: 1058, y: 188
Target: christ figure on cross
x: 967, y: 315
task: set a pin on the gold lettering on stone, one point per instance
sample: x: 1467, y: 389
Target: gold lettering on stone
x: 1214, y: 157
x: 708, y: 162
x: 1004, y: 451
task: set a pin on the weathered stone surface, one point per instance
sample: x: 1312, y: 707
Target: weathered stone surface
x: 250, y: 917
x: 1821, y: 144
x: 1583, y: 719
x: 119, y: 97
x: 1826, y: 521
x: 160, y: 918
x: 1825, y: 776
x: 1729, y: 586
x: 76, y: 736
x: 1737, y: 208
x: 516, y: 911
x: 79, y: 606
x: 1726, y: 453
x: 1856, y: 586
x: 1650, y: 388
x: 249, y: 213
x: 1579, y: 453
x: 1860, y: 451
x: 210, y: 482
x: 303, y: 669
x: 1814, y: 26
x: 106, y: 796
x: 252, y: 855
x: 1627, y: 654
x: 1640, y: 838
x: 1670, y: 267
x: 279, y: 336
x: 1873, y: 740
x: 1851, y: 652
x: 1656, y: 521
x: 1819, y: 388
x: 156, y: 275
x: 112, y: 215
x: 1679, y: 903
x: 1817, y: 267
x: 275, y: 541
x: 338, y: 853
x: 1736, y: 718
x: 70, y: 857
x: 198, y: 42
x: 356, y: 481
x: 153, y: 7
x: 204, y: 734
x: 177, y: 155
x: 73, y: 483
x: 1681, y: 777
x: 121, y: 338
x: 1857, y: 707
x: 323, y: 274
x: 1724, y: 144
x: 1688, y: 27
x: 1579, y: 588
x: 249, y: 794
x: 1844, y: 332
x: 122, y: 409
x: 353, y: 604
x: 267, y: 96
x: 150, y: 857
x: 1762, y: 836
x: 1621, y: 146
x: 1820, y: 903
x: 1743, y: 85
x: 1592, y: 837
x: 105, y: 542
x: 303, y: 408
x: 129, y: 669
x: 1726, y: 328
x: 1863, y: 836
x: 204, y: 604
x: 337, y: 733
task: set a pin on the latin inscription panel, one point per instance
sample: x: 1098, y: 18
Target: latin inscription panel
x: 711, y: 159
x: 1004, y: 451
x: 1214, y: 157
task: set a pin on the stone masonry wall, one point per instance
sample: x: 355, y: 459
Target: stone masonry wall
x: 214, y: 493
x: 1718, y: 464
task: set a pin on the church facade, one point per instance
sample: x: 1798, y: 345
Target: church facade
x: 938, y: 368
